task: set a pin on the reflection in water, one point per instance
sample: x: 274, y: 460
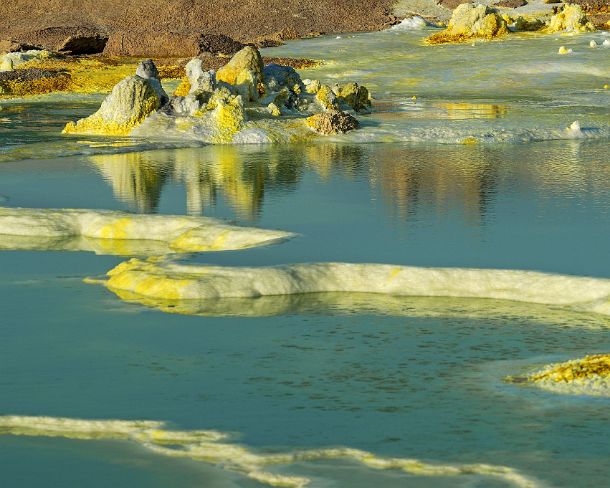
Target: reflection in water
x: 410, y: 179
x: 136, y: 178
x: 373, y: 304
x: 466, y: 110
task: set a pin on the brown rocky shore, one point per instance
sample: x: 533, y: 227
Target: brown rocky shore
x: 180, y: 28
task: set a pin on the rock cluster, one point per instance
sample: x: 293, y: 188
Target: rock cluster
x: 471, y: 22
x: 244, y: 101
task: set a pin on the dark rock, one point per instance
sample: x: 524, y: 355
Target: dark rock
x: 10, y: 46
x: 327, y: 123
x: 452, y: 4
x: 68, y: 40
x: 30, y: 74
x: 511, y: 3
x: 219, y: 44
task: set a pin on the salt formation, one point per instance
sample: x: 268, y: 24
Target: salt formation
x: 243, y: 102
x: 168, y: 280
x: 108, y: 232
x: 586, y: 376
x: 571, y: 18
x: 470, y: 21
x: 12, y: 60
x: 129, y: 103
x: 213, y: 447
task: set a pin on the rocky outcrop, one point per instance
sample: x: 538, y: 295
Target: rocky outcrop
x: 149, y: 21
x: 352, y: 96
x: 129, y: 103
x: 471, y: 22
x: 169, y: 44
x: 244, y: 72
x: 11, y: 46
x: 68, y: 40
x: 571, y: 18
x: 328, y: 123
x: 242, y: 102
x: 219, y: 44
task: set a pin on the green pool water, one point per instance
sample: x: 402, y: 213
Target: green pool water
x: 419, y: 378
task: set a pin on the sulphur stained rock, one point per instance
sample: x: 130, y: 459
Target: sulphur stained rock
x: 328, y: 123
x: 353, y: 96
x: 148, y: 71
x: 471, y: 22
x: 195, y: 91
x: 277, y: 77
x: 527, y: 24
x: 312, y: 86
x: 108, y: 232
x: 326, y: 98
x: 226, y: 111
x: 200, y: 81
x: 130, y: 102
x: 571, y: 18
x: 245, y: 72
x: 589, y: 376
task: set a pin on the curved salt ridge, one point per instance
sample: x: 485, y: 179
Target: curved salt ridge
x: 167, y: 280
x: 108, y: 232
x: 212, y: 447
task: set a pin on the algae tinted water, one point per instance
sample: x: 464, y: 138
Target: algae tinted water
x: 425, y: 383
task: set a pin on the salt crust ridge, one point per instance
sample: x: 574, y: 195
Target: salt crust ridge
x: 215, y: 448
x: 110, y: 232
x: 167, y: 280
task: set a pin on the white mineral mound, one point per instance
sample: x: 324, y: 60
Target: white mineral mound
x: 168, y: 280
x: 109, y: 232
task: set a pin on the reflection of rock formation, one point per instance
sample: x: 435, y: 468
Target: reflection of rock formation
x: 240, y: 175
x: 445, y: 178
x: 136, y: 178
x: 461, y: 111
x: 449, y: 179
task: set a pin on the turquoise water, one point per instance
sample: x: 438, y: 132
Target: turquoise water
x: 408, y: 378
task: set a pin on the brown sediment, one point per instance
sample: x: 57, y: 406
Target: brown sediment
x: 135, y: 26
x: 33, y: 81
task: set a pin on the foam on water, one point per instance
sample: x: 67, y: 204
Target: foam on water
x: 215, y: 448
x: 171, y: 281
x: 109, y: 232
x: 412, y: 23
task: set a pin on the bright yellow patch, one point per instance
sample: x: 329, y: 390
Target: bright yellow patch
x: 116, y: 230
x: 183, y: 88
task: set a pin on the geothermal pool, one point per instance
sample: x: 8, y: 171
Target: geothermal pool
x: 479, y: 171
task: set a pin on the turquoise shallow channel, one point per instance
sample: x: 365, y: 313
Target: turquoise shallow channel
x: 479, y: 170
